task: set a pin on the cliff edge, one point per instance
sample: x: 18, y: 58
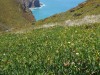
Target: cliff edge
x: 26, y: 4
x: 15, y: 15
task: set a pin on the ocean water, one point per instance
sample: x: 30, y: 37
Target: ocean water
x: 51, y: 7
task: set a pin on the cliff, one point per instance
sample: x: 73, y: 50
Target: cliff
x: 37, y: 3
x: 26, y: 4
x: 12, y: 15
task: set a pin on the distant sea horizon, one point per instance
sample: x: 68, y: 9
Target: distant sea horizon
x: 52, y: 7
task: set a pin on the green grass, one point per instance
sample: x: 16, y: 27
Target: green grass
x: 11, y: 15
x: 91, y: 7
x: 54, y: 51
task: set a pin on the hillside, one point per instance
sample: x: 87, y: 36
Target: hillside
x: 64, y: 44
x: 12, y: 16
x: 90, y: 7
x: 53, y: 51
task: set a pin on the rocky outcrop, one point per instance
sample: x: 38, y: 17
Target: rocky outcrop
x: 26, y: 4
x: 36, y: 3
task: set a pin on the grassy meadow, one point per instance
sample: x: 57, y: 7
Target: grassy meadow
x: 53, y: 51
x: 59, y: 50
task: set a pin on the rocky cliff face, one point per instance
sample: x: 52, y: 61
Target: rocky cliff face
x: 26, y: 4
x: 37, y: 3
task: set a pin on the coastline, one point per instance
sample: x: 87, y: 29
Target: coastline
x: 50, y: 9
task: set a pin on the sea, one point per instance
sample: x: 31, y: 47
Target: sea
x: 52, y: 7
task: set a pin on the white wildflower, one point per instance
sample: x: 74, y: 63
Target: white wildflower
x: 57, y: 51
x: 73, y: 63
x: 4, y: 54
x: 69, y: 42
x: 77, y: 53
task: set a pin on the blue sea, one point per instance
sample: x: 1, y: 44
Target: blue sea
x: 51, y: 7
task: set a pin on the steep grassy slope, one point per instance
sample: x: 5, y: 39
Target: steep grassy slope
x: 12, y: 16
x: 53, y: 51
x: 90, y: 7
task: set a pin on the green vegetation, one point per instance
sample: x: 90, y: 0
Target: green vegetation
x: 90, y: 7
x: 11, y: 15
x: 53, y: 51
x: 59, y: 50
